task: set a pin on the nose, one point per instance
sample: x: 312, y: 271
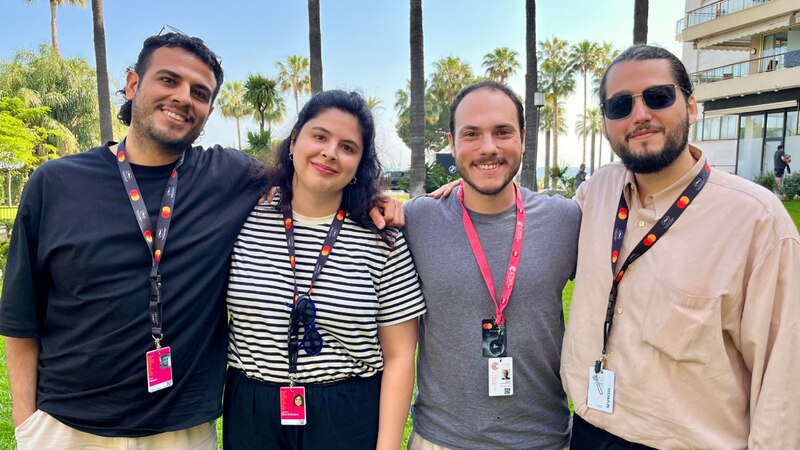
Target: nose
x: 640, y: 113
x: 329, y: 149
x: 182, y: 94
x: 487, y: 144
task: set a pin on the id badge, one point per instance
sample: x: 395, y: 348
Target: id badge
x: 494, y: 339
x: 601, y: 390
x: 501, y: 377
x: 159, y: 369
x: 293, y: 405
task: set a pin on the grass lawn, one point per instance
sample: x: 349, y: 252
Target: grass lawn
x: 7, y: 429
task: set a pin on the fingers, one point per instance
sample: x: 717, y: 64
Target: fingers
x: 268, y: 196
x: 377, y: 218
x: 393, y: 212
x: 444, y: 190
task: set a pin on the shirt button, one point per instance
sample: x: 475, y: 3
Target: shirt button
x: 641, y: 223
x: 619, y: 310
x: 609, y: 355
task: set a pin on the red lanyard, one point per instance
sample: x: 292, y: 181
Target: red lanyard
x: 654, y: 235
x: 480, y: 257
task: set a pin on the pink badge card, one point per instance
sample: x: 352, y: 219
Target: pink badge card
x: 293, y: 405
x: 159, y: 369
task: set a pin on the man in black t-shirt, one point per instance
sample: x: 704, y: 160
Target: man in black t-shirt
x: 782, y: 161
x: 76, y: 293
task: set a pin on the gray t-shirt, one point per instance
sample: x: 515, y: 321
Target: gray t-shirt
x: 452, y: 406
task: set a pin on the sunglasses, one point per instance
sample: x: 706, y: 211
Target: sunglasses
x: 655, y: 98
x: 167, y: 29
x: 305, y: 313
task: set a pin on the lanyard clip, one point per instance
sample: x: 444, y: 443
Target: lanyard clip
x: 155, y: 289
x: 598, y: 365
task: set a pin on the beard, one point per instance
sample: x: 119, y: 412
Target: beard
x: 513, y: 169
x: 164, y: 139
x: 648, y: 161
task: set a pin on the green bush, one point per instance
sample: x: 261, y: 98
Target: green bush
x: 791, y: 185
x: 766, y: 179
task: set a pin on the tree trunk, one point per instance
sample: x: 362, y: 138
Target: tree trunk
x: 296, y: 103
x: 554, y: 128
x: 583, y: 157
x: 103, y: 97
x: 8, y: 178
x: 238, y: 133
x: 599, y: 151
x: 529, y: 158
x: 315, y: 42
x: 54, y: 27
x: 591, y: 167
x: 547, y: 159
x: 640, y: 10
x: 417, y: 100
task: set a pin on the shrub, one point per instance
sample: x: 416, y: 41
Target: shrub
x: 766, y: 179
x: 791, y: 185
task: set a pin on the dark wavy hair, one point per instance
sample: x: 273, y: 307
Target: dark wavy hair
x: 360, y: 197
x: 646, y: 52
x: 191, y: 44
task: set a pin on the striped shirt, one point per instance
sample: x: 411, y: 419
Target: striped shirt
x: 365, y: 284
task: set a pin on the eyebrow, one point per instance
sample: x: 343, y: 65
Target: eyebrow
x: 174, y: 74
x: 326, y: 131
x: 496, y: 127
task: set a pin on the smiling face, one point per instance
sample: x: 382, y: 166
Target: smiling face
x: 172, y: 99
x: 488, y: 143
x: 326, y: 154
x: 648, y: 141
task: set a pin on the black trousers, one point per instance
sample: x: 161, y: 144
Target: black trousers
x: 586, y: 436
x: 340, y: 415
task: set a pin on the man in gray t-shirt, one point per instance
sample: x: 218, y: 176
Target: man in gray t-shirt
x: 453, y: 406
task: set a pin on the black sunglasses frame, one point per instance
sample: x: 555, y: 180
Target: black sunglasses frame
x: 648, y: 96
x: 305, y: 312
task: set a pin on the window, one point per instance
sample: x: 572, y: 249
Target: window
x: 711, y: 129
x: 727, y: 128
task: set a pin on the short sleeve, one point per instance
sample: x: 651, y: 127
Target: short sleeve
x: 399, y: 291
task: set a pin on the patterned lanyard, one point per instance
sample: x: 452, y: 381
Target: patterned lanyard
x: 154, y: 242
x: 480, y: 257
x: 656, y: 232
x: 322, y: 258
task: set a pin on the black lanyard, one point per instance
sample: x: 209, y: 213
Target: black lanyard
x: 322, y: 258
x: 654, y: 235
x: 155, y: 241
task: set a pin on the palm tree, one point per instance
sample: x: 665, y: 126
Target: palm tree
x: 584, y: 57
x: 374, y: 103
x: 589, y: 125
x: 276, y: 113
x: 556, y: 80
x: 546, y: 125
x: 103, y: 96
x: 232, y: 105
x: 501, y: 64
x: 315, y: 44
x: 640, y: 10
x: 54, y: 4
x: 417, y: 100
x: 262, y: 94
x: 293, y: 76
x: 530, y: 157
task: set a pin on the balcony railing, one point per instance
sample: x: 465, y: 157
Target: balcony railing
x: 714, y: 10
x: 746, y: 68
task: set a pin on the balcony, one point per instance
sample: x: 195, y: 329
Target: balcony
x: 714, y: 10
x: 779, y: 71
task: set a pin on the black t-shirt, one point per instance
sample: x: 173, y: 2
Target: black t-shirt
x: 780, y: 165
x: 77, y: 279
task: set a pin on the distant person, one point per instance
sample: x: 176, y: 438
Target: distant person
x: 782, y: 161
x: 580, y: 177
x: 493, y: 260
x: 684, y: 328
x: 313, y: 263
x: 119, y: 260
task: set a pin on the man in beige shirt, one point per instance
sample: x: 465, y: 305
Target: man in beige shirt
x: 703, y: 339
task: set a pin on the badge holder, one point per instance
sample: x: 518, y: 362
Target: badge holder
x: 501, y: 377
x: 601, y: 389
x: 159, y: 368
x: 494, y: 339
x: 293, y: 404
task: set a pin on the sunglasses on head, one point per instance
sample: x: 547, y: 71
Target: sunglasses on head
x: 655, y: 98
x: 305, y: 312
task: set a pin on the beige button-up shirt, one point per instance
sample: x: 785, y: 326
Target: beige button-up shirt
x: 705, y: 344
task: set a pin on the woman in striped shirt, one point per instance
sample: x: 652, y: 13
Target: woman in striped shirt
x: 323, y: 305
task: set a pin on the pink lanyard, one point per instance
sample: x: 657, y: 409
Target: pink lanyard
x: 480, y: 257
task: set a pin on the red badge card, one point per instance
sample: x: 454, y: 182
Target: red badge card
x: 293, y: 405
x: 159, y: 369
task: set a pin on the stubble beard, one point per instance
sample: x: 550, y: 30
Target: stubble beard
x: 483, y: 191
x: 651, y: 162
x: 142, y: 120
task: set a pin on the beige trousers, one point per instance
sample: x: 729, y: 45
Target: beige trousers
x: 42, y: 431
x: 417, y: 442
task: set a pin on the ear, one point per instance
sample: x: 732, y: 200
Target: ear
x: 292, y: 137
x: 452, y: 143
x: 131, y: 84
x: 691, y: 108
x: 522, y: 139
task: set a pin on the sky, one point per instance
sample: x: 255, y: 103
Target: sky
x: 365, y: 44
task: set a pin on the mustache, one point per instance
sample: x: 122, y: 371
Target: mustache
x: 641, y: 128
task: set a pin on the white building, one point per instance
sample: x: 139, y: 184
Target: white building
x: 744, y: 60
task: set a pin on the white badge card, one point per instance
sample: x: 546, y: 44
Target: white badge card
x: 501, y: 377
x: 601, y: 390
x: 159, y: 369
